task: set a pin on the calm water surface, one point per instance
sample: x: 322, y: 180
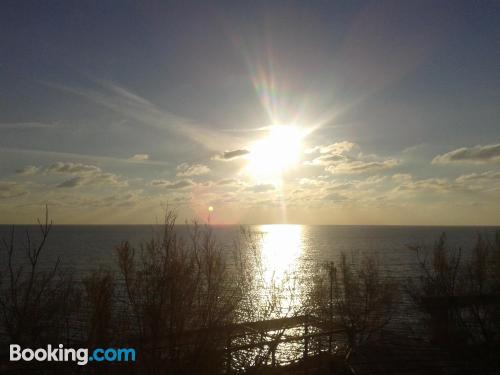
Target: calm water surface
x: 283, y: 248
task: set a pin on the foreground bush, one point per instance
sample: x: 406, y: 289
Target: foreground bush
x: 459, y: 295
x: 357, y: 298
x: 35, y: 304
x: 176, y: 293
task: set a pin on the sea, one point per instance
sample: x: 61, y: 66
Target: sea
x: 284, y: 247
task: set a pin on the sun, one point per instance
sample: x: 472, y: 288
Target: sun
x: 270, y: 157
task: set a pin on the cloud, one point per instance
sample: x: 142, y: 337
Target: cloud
x: 260, y: 188
x: 334, y: 148
x: 344, y: 158
x: 72, y: 168
x: 186, y: 170
x: 359, y: 166
x: 107, y: 179
x: 133, y: 106
x: 471, y: 183
x: 84, y: 174
x: 227, y: 181
x: 230, y: 155
x: 71, y: 183
x: 310, y: 182
x: 402, y: 178
x: 407, y: 184
x: 489, y: 176
x: 97, y: 179
x: 485, y: 181
x: 140, y: 157
x: 10, y: 189
x: 126, y: 199
x: 476, y: 154
x: 336, y: 197
x: 173, y: 185
x: 25, y: 125
x: 28, y: 170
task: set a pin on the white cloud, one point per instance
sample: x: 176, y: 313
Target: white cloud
x: 140, y: 157
x: 336, y: 148
x: 360, y: 166
x: 28, y: 170
x: 485, y: 181
x: 345, y: 158
x: 488, y: 177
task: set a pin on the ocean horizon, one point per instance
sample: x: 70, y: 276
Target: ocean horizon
x: 86, y: 247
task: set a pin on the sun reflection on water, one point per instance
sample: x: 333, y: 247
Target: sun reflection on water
x: 281, y: 249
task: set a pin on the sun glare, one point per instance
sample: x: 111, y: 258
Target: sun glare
x: 282, y: 247
x: 270, y: 157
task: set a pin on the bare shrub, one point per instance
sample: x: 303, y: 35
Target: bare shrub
x: 98, y: 298
x: 356, y: 298
x: 440, y: 274
x: 35, y: 303
x: 177, y: 293
x: 460, y: 296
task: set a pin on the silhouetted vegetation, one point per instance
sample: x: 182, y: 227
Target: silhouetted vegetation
x: 173, y: 288
x: 34, y: 304
x: 188, y: 306
x: 460, y: 298
x: 355, y: 297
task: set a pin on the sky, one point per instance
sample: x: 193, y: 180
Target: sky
x: 317, y: 112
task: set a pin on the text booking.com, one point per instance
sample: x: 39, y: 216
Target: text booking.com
x: 81, y: 355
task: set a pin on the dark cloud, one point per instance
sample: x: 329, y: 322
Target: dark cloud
x: 476, y: 154
x: 71, y: 183
x: 230, y: 155
x: 84, y: 174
